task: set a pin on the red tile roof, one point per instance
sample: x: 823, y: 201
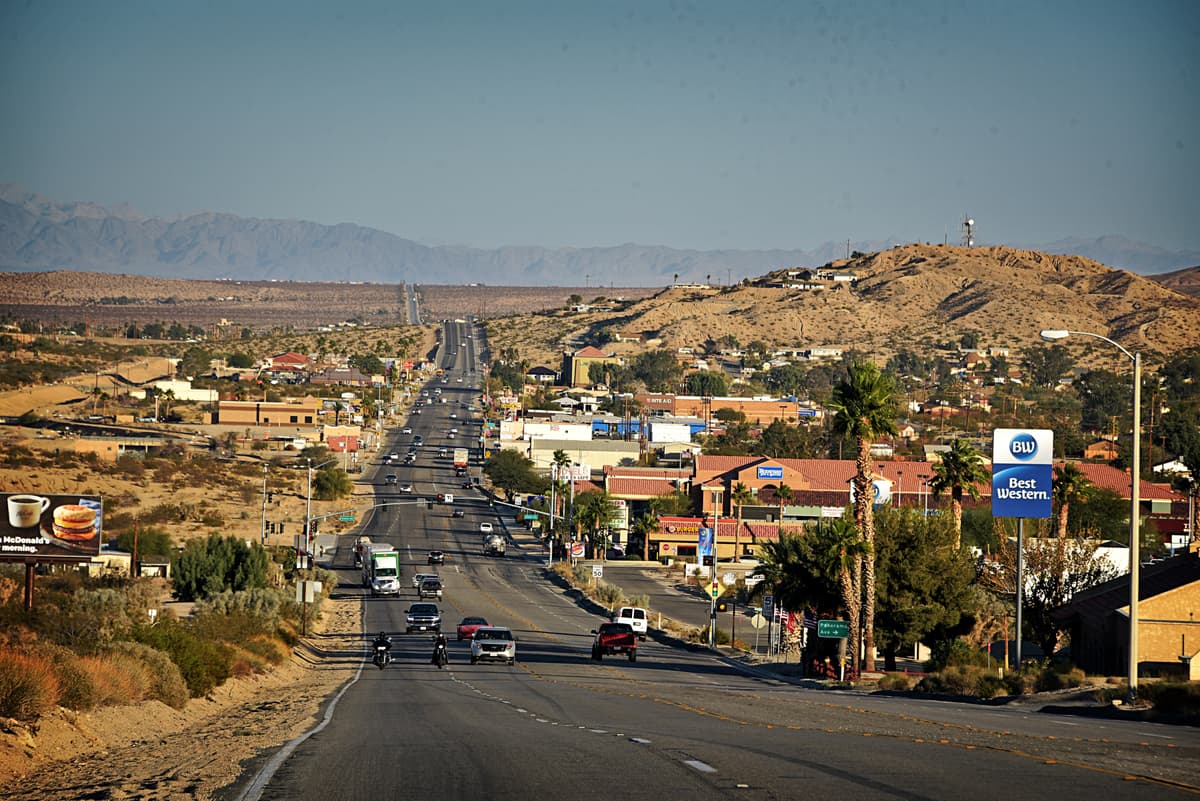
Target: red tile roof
x: 639, y: 488
x: 1110, y: 478
x: 590, y: 352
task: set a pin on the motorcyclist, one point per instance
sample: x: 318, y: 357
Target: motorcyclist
x: 383, y: 641
x: 439, y: 647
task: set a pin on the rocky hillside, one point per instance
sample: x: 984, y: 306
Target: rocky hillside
x: 910, y: 296
x: 1185, y: 282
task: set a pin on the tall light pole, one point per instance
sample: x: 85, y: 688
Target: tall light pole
x: 1052, y: 335
x: 308, y: 507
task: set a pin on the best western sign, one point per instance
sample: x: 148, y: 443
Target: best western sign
x: 1022, y: 472
x: 769, y: 472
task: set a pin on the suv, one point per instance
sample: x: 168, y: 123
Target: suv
x: 430, y: 588
x: 423, y: 617
x: 495, y: 643
x: 635, y: 616
x: 390, y: 478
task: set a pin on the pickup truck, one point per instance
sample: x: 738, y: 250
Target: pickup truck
x: 614, y: 638
x: 430, y: 588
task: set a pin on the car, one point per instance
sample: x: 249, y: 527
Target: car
x: 453, y: 415
x: 417, y: 440
x: 407, y: 430
x: 393, y: 457
x: 485, y: 528
x: 419, y: 577
x: 423, y: 617
x: 435, y: 558
x: 406, y: 488
x: 453, y: 430
x: 443, y: 451
x: 468, y: 627
x: 390, y: 478
x: 458, y: 513
x: 467, y: 485
x: 494, y: 644
x: 459, y: 380
x: 430, y: 588
x: 416, y: 411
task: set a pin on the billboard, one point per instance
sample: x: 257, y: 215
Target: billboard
x: 38, y: 526
x: 1022, y: 472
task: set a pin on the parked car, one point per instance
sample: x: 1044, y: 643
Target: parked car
x: 468, y: 627
x: 495, y: 644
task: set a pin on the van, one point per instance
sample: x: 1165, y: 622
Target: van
x: 635, y: 616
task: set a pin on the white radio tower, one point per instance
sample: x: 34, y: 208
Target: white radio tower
x: 968, y: 231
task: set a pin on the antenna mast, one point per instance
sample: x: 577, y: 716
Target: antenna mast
x: 968, y: 231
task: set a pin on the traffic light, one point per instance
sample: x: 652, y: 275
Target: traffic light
x: 722, y: 606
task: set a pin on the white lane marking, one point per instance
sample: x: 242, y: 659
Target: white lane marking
x: 696, y: 764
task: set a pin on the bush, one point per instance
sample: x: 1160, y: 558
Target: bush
x: 28, y: 685
x: 1058, y: 677
x: 78, y: 688
x: 991, y: 686
x: 202, y: 663
x: 116, y: 679
x: 895, y: 681
x: 1173, y: 697
x: 215, y: 564
x: 953, y: 652
x: 166, y: 682
x: 722, y: 637
x: 608, y: 594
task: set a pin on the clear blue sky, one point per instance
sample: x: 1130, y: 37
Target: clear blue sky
x: 690, y: 124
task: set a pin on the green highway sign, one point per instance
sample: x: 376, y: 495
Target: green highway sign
x: 833, y: 629
x: 531, y: 516
x: 347, y: 518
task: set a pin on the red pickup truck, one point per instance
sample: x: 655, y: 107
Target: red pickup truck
x: 614, y: 638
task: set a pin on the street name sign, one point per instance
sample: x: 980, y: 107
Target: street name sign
x: 833, y: 629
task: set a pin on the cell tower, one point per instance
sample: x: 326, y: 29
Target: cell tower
x: 968, y: 231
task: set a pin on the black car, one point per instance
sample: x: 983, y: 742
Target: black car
x: 435, y: 558
x: 458, y: 513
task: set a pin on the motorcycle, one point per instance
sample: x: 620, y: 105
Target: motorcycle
x: 440, y: 657
x: 382, y: 657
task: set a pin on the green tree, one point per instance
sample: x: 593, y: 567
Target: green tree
x: 864, y: 408
x: 1103, y: 396
x: 704, y: 382
x: 925, y: 580
x: 1045, y: 365
x: 511, y: 472
x: 1068, y: 481
x: 367, y: 363
x: 780, y: 440
x: 671, y: 504
x: 961, y: 470
x: 331, y: 483
x: 641, y: 530
x: 786, y: 379
x: 239, y: 361
x: 151, y: 541
x: 658, y: 370
x: 209, y: 566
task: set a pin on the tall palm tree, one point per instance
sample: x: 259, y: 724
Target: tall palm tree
x: 783, y: 495
x: 643, y: 527
x: 844, y: 549
x: 594, y: 511
x: 864, y: 408
x: 560, y: 461
x: 1068, y: 481
x: 961, y: 471
x: 740, y: 496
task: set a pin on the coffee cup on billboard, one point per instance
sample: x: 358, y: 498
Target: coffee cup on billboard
x: 25, y: 511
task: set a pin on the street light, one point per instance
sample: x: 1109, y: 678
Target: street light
x: 1052, y: 335
x: 308, y: 506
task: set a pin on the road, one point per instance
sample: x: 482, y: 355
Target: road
x: 678, y: 721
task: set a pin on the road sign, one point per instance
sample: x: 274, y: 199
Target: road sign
x: 347, y: 518
x: 730, y: 579
x: 768, y: 605
x: 715, y: 589
x: 758, y: 621
x: 833, y: 629
x: 597, y: 571
x: 531, y: 516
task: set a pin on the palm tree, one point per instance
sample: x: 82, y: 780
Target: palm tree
x: 740, y: 496
x: 961, y: 471
x: 594, y: 511
x: 783, y: 494
x: 864, y: 408
x: 1068, y: 481
x: 559, y: 461
x: 844, y: 550
x: 643, y: 527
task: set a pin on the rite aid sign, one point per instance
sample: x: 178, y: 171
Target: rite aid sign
x: 1022, y: 472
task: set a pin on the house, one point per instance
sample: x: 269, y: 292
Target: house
x: 287, y: 362
x: 577, y: 365
x: 1101, y: 449
x: 541, y: 375
x: 1168, y: 597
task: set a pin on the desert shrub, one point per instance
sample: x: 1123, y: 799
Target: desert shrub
x: 204, y: 664
x: 166, y: 682
x: 245, y: 662
x: 722, y: 637
x: 115, y: 679
x: 580, y: 573
x: 1174, y: 697
x: 1019, y: 682
x: 1058, y: 677
x: 271, y: 648
x: 642, y: 600
x: 28, y: 685
x: 251, y: 611
x: 77, y: 688
x: 990, y: 685
x: 608, y: 594
x: 130, y: 467
x: 952, y: 652
x: 86, y: 620
x: 895, y: 681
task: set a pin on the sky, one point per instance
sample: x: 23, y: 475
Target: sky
x: 705, y: 125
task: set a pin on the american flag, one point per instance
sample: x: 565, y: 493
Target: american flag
x: 810, y: 620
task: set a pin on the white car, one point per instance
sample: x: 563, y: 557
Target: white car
x: 407, y: 430
x: 485, y: 528
x: 495, y: 644
x: 406, y: 488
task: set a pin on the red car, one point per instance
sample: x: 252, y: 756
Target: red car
x: 466, y: 629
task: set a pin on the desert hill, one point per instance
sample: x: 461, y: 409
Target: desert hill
x: 912, y: 296
x: 1186, y: 281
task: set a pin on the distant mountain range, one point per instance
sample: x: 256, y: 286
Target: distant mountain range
x: 38, y: 233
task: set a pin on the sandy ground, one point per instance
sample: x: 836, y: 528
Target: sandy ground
x: 150, y: 751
